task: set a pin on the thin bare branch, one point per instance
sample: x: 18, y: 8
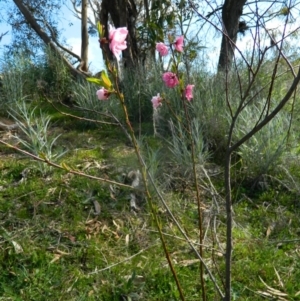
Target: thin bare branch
x: 268, y: 118
x: 65, y: 167
x: 2, y: 35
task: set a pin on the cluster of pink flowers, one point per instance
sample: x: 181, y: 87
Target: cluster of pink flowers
x: 117, y: 43
x: 170, y: 79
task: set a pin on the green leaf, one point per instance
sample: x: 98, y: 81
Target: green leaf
x: 94, y: 80
x: 106, y: 81
x: 100, y: 29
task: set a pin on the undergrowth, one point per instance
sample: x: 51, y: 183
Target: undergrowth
x: 56, y: 244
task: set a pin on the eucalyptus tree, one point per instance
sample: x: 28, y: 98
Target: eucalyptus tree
x: 147, y: 21
x: 34, y: 24
x: 23, y: 37
x: 84, y: 35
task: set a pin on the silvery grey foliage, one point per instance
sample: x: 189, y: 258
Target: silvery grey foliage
x: 33, y: 133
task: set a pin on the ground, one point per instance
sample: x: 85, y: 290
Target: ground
x: 66, y: 237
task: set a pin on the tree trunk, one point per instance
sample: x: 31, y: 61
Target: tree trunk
x: 84, y: 36
x: 44, y: 36
x: 123, y: 14
x: 231, y: 13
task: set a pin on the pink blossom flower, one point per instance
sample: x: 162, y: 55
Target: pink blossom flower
x: 156, y: 101
x: 103, y: 94
x: 117, y: 41
x: 162, y: 49
x: 170, y: 79
x: 188, y: 93
x: 179, y: 44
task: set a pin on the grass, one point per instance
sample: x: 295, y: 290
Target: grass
x: 54, y: 248
x: 51, y: 243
